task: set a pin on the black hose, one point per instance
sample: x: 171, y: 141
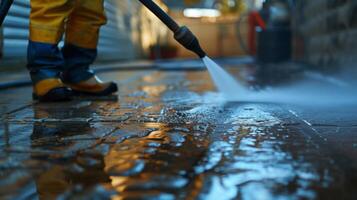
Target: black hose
x: 4, y: 9
x: 162, y: 15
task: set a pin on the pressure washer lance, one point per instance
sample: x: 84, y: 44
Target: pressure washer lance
x: 182, y: 34
x: 4, y: 9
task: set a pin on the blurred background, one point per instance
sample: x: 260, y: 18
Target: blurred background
x: 320, y: 33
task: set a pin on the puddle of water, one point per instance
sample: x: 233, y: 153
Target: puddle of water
x: 168, y: 156
x: 256, y: 167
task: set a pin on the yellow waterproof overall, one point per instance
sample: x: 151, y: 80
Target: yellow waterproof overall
x: 79, y: 21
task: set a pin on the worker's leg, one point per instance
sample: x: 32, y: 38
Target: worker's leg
x: 80, y: 49
x: 45, y: 60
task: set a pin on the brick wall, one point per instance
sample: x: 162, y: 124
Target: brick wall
x: 326, y: 32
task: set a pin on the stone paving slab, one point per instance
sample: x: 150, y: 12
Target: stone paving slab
x: 334, y: 116
x: 167, y: 137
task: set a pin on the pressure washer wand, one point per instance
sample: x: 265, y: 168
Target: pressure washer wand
x: 182, y: 34
x: 4, y: 9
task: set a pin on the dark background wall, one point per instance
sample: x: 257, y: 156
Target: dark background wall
x: 325, y: 33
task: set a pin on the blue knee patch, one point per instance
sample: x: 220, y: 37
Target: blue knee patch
x: 44, y: 61
x: 77, y: 62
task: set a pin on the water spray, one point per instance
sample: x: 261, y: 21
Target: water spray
x: 224, y: 82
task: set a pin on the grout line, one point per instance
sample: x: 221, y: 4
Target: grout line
x: 16, y: 110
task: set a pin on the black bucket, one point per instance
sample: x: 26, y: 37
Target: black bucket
x: 274, y: 45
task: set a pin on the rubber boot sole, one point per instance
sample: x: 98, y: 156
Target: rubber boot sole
x: 55, y: 95
x: 111, y: 89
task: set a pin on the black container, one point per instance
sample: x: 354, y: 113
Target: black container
x: 274, y: 45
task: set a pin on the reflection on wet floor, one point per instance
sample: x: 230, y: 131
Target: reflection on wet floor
x: 168, y: 137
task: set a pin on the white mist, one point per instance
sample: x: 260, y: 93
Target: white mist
x: 225, y: 83
x: 309, y: 91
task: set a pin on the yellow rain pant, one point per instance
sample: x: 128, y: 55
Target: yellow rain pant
x: 80, y: 20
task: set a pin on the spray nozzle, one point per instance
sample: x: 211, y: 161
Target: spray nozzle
x: 186, y: 38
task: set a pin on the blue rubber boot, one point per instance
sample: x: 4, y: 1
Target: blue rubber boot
x: 79, y: 77
x: 45, y: 63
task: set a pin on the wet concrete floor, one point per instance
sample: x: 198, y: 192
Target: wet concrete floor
x: 167, y: 137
